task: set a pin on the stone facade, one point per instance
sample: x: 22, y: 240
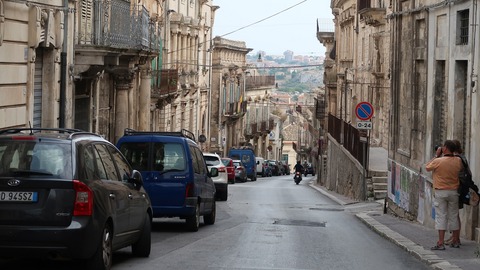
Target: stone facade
x: 434, y: 85
x: 415, y: 62
x: 181, y: 101
x: 228, y: 100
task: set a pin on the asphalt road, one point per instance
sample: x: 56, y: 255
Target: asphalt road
x: 268, y: 224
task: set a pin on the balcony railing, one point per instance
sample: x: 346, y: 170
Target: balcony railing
x: 372, y: 12
x: 235, y: 109
x: 164, y: 82
x: 252, y: 82
x: 117, y: 24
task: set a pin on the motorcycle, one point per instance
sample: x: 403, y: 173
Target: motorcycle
x: 298, y: 177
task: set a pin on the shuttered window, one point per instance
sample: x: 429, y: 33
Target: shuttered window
x: 86, y: 22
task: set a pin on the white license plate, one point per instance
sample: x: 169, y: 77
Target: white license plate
x: 16, y: 196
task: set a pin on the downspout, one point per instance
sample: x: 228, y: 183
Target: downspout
x: 63, y: 68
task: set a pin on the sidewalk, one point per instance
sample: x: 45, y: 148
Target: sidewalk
x: 412, y: 237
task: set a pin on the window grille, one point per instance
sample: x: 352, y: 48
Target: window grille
x: 463, y: 23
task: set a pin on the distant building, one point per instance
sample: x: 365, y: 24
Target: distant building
x: 288, y: 55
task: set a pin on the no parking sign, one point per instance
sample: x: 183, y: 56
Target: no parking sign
x: 364, y: 111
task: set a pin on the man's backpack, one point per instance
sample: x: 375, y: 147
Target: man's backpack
x: 467, y: 190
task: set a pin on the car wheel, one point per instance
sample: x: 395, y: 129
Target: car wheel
x: 224, y: 195
x: 142, y: 247
x: 193, y: 221
x: 102, y: 259
x: 254, y: 178
x: 209, y: 219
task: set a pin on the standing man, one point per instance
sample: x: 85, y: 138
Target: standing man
x: 446, y: 168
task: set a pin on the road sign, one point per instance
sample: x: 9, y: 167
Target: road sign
x: 364, y: 125
x: 364, y: 111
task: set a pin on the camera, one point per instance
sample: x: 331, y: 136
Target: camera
x: 435, y: 148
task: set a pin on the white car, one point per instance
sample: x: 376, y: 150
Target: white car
x: 221, y: 181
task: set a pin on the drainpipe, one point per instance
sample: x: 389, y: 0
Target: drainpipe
x: 63, y: 68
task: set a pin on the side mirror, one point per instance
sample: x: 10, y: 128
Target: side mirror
x: 136, y: 179
x: 213, y: 172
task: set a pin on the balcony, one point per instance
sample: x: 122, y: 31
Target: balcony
x: 116, y: 24
x: 372, y: 12
x: 254, y: 82
x: 164, y: 83
x: 235, y: 110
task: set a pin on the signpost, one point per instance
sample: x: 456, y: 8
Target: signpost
x: 364, y: 112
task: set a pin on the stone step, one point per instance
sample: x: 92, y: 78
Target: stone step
x: 378, y: 173
x: 380, y: 186
x: 379, y: 194
x: 377, y: 179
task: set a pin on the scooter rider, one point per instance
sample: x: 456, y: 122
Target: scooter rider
x: 298, y: 167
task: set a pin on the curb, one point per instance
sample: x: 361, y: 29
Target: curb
x: 426, y: 256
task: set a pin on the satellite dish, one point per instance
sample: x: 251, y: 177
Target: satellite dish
x: 202, y: 138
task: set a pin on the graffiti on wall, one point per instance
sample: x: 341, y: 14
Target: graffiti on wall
x: 405, y: 185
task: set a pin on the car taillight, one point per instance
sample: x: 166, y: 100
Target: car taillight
x: 222, y: 169
x: 189, y: 190
x: 83, y: 199
x: 24, y: 138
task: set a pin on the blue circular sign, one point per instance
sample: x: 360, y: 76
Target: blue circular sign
x: 364, y: 111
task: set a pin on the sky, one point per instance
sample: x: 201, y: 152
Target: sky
x: 293, y: 28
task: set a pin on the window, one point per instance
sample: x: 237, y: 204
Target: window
x: 122, y: 165
x: 462, y: 26
x: 201, y: 162
x: 137, y: 155
x: 105, y: 160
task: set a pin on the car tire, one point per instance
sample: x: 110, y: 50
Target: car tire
x: 224, y: 195
x: 209, y: 219
x: 143, y: 246
x: 102, y: 258
x: 193, y: 221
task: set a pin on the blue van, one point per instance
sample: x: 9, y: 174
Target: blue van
x: 174, y: 172
x: 247, y: 156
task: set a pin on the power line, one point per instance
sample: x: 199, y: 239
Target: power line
x: 264, y: 19
x: 241, y: 28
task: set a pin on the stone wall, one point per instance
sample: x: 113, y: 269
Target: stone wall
x: 344, y: 173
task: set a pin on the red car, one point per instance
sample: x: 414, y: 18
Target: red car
x: 228, y: 162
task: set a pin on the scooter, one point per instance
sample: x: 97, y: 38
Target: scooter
x: 298, y: 177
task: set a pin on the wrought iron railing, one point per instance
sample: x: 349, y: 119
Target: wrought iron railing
x: 117, y: 24
x: 164, y: 82
x: 252, y: 82
x: 349, y: 138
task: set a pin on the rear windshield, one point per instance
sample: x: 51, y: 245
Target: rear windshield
x: 211, y: 161
x: 35, y: 159
x: 237, y: 164
x: 157, y: 156
x: 226, y: 162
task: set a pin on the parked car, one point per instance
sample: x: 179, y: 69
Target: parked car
x: 221, y: 180
x: 247, y: 156
x: 240, y: 171
x: 175, y: 174
x: 287, y: 168
x: 266, y: 169
x: 259, y: 165
x: 228, y: 162
x: 309, y: 170
x: 275, y: 167
x: 59, y: 187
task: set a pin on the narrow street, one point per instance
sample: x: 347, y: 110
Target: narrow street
x: 273, y: 224
x: 268, y: 224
